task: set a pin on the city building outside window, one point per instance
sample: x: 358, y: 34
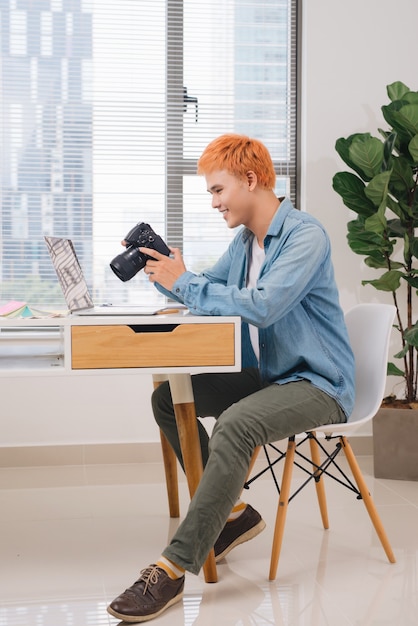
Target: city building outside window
x: 105, y: 108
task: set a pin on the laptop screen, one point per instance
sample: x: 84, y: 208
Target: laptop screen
x: 69, y: 272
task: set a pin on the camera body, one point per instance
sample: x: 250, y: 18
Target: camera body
x: 131, y: 261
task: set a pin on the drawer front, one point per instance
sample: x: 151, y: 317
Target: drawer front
x: 159, y: 345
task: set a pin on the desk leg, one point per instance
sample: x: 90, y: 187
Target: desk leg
x: 184, y: 408
x: 170, y: 464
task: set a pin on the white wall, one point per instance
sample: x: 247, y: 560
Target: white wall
x: 351, y: 51
x: 57, y: 410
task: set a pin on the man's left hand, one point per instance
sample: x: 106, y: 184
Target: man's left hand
x: 163, y: 269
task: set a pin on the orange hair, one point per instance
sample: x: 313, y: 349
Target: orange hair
x: 238, y: 154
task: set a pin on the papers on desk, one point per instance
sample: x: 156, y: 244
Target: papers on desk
x: 19, y: 310
x: 22, y: 310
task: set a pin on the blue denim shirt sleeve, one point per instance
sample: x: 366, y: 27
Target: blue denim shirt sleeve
x: 295, y: 305
x: 284, y: 281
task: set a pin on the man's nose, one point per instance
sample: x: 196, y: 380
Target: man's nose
x: 215, y: 202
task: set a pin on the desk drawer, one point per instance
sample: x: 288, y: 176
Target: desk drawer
x: 176, y: 345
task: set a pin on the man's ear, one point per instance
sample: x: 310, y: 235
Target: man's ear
x: 251, y: 180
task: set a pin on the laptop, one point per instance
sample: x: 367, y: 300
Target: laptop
x: 74, y: 286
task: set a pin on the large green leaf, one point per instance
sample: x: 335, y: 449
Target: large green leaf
x: 342, y: 146
x: 396, y: 90
x: 390, y: 113
x: 402, y: 178
x: 368, y: 243
x: 406, y: 208
x: 413, y: 148
x: 396, y: 228
x: 411, y: 97
x: 377, y: 188
x: 388, y: 146
x: 389, y: 281
x: 379, y: 261
x: 405, y: 120
x: 412, y: 280
x: 351, y: 188
x: 389, y: 109
x: 411, y: 336
x: 397, y: 143
x: 367, y: 154
x: 364, y: 247
x: 357, y: 228
x: 406, y: 249
x: 393, y: 370
x: 414, y: 247
x: 376, y: 223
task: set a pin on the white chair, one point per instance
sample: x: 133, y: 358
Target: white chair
x: 369, y: 327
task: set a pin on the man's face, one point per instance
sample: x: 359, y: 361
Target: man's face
x: 231, y: 196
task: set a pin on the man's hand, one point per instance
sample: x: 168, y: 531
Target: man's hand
x: 164, y: 270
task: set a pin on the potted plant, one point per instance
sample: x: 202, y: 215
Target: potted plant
x: 382, y: 189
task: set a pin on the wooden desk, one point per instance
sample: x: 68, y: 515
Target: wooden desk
x: 169, y: 347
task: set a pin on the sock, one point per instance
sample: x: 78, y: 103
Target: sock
x: 174, y: 571
x: 239, y: 508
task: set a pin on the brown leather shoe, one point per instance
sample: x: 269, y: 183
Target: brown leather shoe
x: 248, y: 525
x: 148, y: 597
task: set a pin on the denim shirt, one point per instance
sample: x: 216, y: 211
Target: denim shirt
x: 302, y: 334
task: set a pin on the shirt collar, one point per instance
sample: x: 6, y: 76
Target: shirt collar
x: 276, y: 223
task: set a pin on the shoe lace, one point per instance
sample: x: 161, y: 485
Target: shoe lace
x: 150, y: 576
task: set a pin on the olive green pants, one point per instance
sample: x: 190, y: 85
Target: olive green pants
x: 247, y: 415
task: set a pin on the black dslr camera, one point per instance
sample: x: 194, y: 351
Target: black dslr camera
x: 129, y: 262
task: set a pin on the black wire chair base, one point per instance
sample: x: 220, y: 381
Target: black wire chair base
x: 314, y: 471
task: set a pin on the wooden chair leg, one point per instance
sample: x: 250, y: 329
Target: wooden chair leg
x: 282, y: 508
x: 170, y: 464
x: 171, y: 479
x: 367, y: 499
x: 319, y: 482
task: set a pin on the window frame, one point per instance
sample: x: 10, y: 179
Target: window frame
x: 176, y: 165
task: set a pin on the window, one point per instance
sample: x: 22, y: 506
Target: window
x: 105, y: 108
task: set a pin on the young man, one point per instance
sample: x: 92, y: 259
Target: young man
x: 297, y: 365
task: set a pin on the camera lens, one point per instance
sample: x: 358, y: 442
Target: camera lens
x: 127, y: 264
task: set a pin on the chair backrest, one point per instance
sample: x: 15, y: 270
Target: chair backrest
x: 369, y: 328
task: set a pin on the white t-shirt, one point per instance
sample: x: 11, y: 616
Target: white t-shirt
x: 257, y: 259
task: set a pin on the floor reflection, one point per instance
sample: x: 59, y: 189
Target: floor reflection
x: 67, y: 549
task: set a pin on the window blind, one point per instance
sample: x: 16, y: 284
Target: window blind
x: 105, y: 108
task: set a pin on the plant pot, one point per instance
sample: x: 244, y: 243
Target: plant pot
x: 395, y: 444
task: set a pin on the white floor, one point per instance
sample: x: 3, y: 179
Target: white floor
x: 72, y: 538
